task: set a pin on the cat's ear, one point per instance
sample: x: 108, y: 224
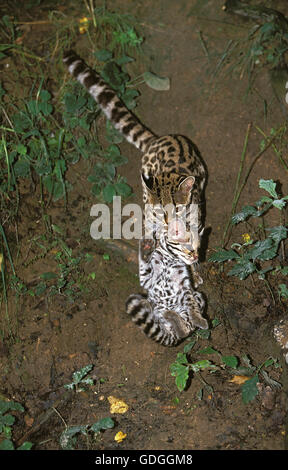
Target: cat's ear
x: 183, y: 193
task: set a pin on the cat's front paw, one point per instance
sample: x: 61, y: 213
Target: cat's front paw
x: 147, y: 246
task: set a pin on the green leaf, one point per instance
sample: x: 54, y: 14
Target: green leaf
x: 124, y: 59
x: 258, y: 250
x: 109, y: 170
x: 114, y: 156
x: 283, y: 291
x: 204, y: 334
x: 68, y: 439
x: 10, y: 405
x: 21, y: 149
x: 122, y: 189
x: 21, y: 122
x: 249, y: 389
x: 189, y: 346
x: 278, y: 233
x: 103, y: 55
x: 269, y: 186
x: 203, y: 364
x: 80, y: 374
x: 129, y: 98
x: 6, y: 420
x: 262, y: 272
x: 279, y: 203
x: 22, y: 168
x: 96, y: 189
x: 114, y: 76
x: 242, y: 269
x: 45, y: 95
x: 6, y: 444
x: 181, y: 372
x: 230, y: 361
x: 155, y: 82
x: 269, y: 362
x: 40, y: 288
x: 45, y: 107
x: 223, y: 255
x: 74, y: 104
x: 182, y: 358
x: 25, y: 446
x: 246, y: 212
x: 109, y: 192
x: 48, y: 275
x: 104, y: 423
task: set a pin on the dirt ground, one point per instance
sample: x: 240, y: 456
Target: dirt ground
x: 56, y: 337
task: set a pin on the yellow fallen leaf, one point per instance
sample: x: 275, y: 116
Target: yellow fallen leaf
x: 1, y: 259
x: 239, y: 379
x: 120, y: 436
x: 117, y: 405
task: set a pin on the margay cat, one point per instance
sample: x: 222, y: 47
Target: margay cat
x: 172, y: 309
x: 172, y: 169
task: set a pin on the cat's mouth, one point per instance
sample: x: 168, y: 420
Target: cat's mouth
x: 189, y: 257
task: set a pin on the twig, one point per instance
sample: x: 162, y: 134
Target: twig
x: 45, y: 416
x: 274, y: 148
x: 256, y: 158
x: 203, y: 44
x: 235, y: 200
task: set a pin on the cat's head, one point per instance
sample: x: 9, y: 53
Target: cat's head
x: 183, y: 241
x: 169, y: 189
x: 169, y: 202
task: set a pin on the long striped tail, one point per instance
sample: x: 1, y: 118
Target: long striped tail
x: 114, y: 109
x: 167, y: 330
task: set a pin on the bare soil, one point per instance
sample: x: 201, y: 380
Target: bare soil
x: 54, y: 337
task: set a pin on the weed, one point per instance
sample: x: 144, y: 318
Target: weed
x: 251, y: 256
x: 68, y: 438
x: 265, y: 45
x: 7, y: 421
x: 245, y: 374
x: 80, y: 379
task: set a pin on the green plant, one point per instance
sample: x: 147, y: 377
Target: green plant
x: 251, y: 256
x: 265, y: 45
x: 68, y: 438
x: 80, y: 379
x: 7, y: 421
x: 115, y: 29
x: 249, y: 389
x: 182, y: 369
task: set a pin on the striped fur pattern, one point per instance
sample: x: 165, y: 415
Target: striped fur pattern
x: 173, y: 172
x: 172, y: 309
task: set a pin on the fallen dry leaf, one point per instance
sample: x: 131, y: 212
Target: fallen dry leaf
x: 120, y: 436
x: 117, y: 405
x: 239, y: 379
x: 29, y: 420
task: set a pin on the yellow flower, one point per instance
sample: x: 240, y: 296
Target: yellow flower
x: 120, y: 436
x: 246, y: 237
x: 84, y: 22
x: 82, y: 29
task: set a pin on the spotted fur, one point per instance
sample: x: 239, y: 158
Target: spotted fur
x: 172, y: 309
x: 173, y: 172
